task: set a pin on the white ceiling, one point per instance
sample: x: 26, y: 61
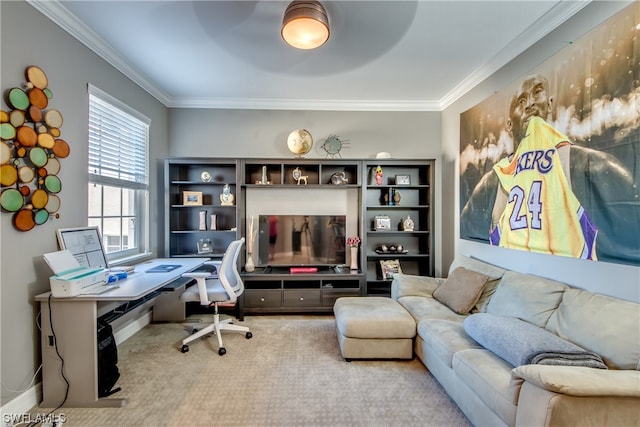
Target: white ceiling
x: 418, y: 55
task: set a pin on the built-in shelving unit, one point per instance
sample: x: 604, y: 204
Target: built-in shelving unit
x: 410, y: 181
x: 183, y: 219
x: 278, y: 181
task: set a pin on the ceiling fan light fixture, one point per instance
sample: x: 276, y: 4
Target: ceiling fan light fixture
x: 305, y: 25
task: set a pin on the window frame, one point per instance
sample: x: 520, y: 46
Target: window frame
x: 140, y: 188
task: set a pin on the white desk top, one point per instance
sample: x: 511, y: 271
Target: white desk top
x: 139, y: 282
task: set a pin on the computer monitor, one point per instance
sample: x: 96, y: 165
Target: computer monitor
x: 85, y: 243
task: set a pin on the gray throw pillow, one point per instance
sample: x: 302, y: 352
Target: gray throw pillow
x: 461, y: 290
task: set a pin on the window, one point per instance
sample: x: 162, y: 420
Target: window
x: 118, y: 175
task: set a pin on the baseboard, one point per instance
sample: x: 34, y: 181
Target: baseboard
x: 21, y: 404
x: 31, y: 397
x: 130, y: 329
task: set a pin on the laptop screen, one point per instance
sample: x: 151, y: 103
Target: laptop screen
x: 85, y: 243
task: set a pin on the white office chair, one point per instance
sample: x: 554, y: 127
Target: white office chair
x: 223, y: 290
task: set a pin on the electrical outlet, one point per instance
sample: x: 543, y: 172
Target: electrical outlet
x: 52, y: 340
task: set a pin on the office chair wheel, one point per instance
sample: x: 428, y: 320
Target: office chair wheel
x: 222, y: 351
x: 185, y: 348
x: 248, y: 335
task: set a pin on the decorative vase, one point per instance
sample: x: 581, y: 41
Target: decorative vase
x: 249, y: 266
x: 354, y: 258
x: 202, y: 223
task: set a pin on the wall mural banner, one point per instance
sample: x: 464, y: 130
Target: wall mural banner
x: 551, y: 163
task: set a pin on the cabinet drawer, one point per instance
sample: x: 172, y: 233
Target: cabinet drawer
x: 330, y: 297
x: 301, y: 298
x: 261, y: 298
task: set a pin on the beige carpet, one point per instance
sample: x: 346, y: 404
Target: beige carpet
x: 290, y: 373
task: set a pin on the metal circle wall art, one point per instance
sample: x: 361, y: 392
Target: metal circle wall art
x: 29, y: 153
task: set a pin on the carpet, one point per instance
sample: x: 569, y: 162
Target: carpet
x: 290, y: 373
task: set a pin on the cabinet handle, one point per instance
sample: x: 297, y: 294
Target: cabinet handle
x: 262, y: 299
x: 301, y: 298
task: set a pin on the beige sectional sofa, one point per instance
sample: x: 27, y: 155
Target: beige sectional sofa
x: 490, y: 390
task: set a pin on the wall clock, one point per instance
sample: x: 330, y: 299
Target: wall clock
x: 332, y: 146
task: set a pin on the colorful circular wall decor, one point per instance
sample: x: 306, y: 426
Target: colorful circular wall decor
x: 29, y: 153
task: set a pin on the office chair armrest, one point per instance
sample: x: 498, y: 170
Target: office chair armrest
x: 197, y: 274
x: 216, y: 263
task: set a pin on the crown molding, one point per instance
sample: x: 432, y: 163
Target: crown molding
x: 548, y: 22
x: 61, y: 16
x: 305, y: 104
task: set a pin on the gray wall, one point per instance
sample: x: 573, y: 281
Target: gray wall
x: 613, y: 279
x: 29, y: 38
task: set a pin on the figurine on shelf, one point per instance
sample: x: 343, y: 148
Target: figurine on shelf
x: 407, y: 224
x: 396, y: 197
x: 298, y: 177
x: 204, y: 246
x: 226, y: 198
x: 378, y: 175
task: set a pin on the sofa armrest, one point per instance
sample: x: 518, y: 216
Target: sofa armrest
x: 581, y: 381
x: 409, y: 285
x: 540, y: 407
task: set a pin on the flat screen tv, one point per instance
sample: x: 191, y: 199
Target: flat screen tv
x: 301, y: 240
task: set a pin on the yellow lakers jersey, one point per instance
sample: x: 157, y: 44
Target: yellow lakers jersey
x: 542, y: 213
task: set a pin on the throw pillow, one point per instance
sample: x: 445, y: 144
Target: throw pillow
x: 461, y: 290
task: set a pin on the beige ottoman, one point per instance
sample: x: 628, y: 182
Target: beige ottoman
x: 373, y: 328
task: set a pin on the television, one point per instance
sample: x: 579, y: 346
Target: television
x: 301, y: 240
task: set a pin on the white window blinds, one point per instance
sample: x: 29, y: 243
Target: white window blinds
x: 118, y: 139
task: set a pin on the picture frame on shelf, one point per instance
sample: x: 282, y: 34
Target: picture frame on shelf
x: 192, y: 198
x: 403, y: 179
x: 389, y: 267
x: 381, y: 223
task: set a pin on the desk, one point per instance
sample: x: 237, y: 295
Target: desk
x: 75, y: 326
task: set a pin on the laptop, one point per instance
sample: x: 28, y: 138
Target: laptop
x: 85, y: 244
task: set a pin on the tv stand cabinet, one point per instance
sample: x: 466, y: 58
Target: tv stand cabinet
x: 278, y: 291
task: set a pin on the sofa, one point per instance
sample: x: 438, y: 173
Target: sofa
x: 473, y: 349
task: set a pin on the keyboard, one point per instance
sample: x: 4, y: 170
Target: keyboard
x: 99, y: 289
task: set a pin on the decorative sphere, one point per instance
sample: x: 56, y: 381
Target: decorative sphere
x: 300, y: 142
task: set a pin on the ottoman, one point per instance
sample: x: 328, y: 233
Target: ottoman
x: 373, y: 328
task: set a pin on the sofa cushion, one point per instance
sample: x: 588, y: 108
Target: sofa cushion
x: 605, y: 325
x: 487, y: 292
x: 422, y: 308
x: 521, y: 343
x: 445, y: 338
x: 372, y: 317
x: 527, y: 297
x: 461, y: 290
x: 412, y: 285
x: 489, y: 270
x: 491, y: 379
